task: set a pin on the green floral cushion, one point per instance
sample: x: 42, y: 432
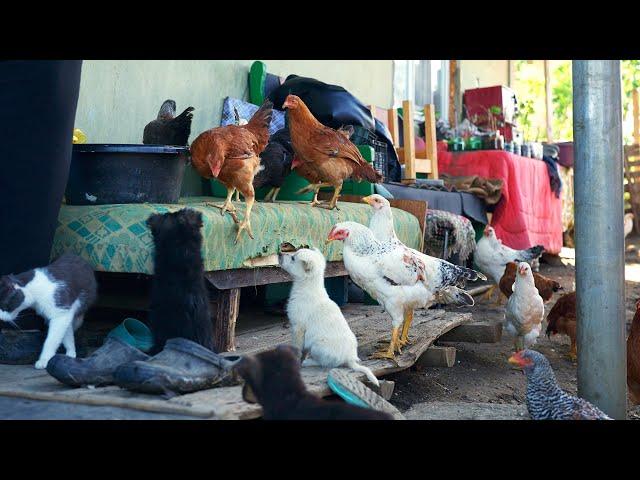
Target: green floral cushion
x: 115, y: 238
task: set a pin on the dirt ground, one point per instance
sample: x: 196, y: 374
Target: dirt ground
x: 481, y: 372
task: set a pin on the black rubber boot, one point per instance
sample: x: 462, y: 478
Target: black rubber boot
x: 181, y: 367
x: 97, y: 369
x: 20, y: 347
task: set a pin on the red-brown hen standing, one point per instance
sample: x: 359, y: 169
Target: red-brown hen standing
x: 562, y: 318
x: 324, y: 156
x: 633, y: 357
x: 231, y: 154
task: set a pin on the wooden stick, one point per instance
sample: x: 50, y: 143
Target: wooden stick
x: 636, y: 117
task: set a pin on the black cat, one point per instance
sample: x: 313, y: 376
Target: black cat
x: 179, y: 297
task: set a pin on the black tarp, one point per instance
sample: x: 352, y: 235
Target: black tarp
x: 334, y: 107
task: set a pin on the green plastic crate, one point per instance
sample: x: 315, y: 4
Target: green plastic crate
x: 291, y: 185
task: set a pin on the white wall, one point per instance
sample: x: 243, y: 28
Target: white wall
x: 119, y: 97
x: 488, y: 72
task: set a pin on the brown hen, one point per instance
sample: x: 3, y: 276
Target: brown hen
x: 324, y: 156
x: 633, y: 357
x: 546, y: 286
x: 562, y: 319
x: 231, y: 154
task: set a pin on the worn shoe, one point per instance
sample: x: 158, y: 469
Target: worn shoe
x: 181, y: 367
x: 20, y: 347
x: 98, y: 368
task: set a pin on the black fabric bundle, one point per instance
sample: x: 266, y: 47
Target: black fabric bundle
x: 554, y: 176
x: 334, y: 107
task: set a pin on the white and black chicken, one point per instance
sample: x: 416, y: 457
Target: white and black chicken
x: 491, y: 256
x: 399, y: 278
x: 525, y: 309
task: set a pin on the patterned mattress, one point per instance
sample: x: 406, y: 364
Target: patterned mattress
x: 115, y: 238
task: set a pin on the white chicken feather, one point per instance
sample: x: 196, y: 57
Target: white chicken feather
x: 525, y: 309
x: 394, y: 275
x: 491, y: 256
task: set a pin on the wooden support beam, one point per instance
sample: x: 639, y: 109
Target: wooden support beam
x: 636, y: 117
x: 437, y: 356
x: 479, y: 332
x: 409, y: 147
x: 547, y: 98
x: 430, y: 138
x: 453, y: 65
x: 225, y: 308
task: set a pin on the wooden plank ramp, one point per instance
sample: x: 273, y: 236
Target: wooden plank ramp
x: 369, y: 324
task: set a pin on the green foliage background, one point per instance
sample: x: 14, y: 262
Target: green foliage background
x: 529, y: 86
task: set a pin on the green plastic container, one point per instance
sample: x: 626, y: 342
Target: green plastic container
x: 291, y: 185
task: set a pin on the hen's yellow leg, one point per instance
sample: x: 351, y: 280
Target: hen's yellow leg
x: 489, y: 293
x: 334, y: 199
x: 406, y: 325
x: 246, y: 221
x: 275, y: 191
x: 227, y: 206
x: 389, y: 353
x: 237, y: 195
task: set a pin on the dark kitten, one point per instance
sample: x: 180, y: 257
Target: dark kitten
x: 179, y: 297
x: 272, y: 378
x: 61, y: 293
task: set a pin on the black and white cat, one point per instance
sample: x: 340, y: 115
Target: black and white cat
x: 61, y: 293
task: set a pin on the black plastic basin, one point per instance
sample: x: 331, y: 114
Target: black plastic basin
x: 103, y: 174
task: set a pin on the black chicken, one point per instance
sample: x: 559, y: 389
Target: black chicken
x: 275, y: 164
x: 168, y: 129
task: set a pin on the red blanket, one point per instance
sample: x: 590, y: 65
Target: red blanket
x: 528, y: 213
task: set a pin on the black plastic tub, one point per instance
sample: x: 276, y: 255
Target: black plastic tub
x: 104, y: 174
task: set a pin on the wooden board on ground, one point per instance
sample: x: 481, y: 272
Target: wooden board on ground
x: 466, y: 411
x: 369, y: 324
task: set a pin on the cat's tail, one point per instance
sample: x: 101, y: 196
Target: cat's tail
x: 355, y: 365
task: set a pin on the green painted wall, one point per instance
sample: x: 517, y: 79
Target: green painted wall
x: 119, y: 97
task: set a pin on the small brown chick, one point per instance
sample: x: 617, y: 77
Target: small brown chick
x: 546, y: 287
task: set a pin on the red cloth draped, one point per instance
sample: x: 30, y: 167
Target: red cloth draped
x: 528, y: 213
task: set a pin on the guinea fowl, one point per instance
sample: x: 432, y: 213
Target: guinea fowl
x: 275, y: 162
x: 167, y: 129
x: 545, y: 399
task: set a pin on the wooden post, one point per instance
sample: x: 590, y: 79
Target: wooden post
x: 636, y: 117
x: 392, y: 115
x: 547, y: 98
x: 409, y: 147
x: 430, y: 138
x: 453, y: 65
x: 225, y: 308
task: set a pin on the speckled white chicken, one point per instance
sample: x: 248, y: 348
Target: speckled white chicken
x: 381, y: 225
x: 397, y: 278
x: 525, y: 309
x: 491, y: 256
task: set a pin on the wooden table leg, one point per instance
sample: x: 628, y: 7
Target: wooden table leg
x: 225, y: 308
